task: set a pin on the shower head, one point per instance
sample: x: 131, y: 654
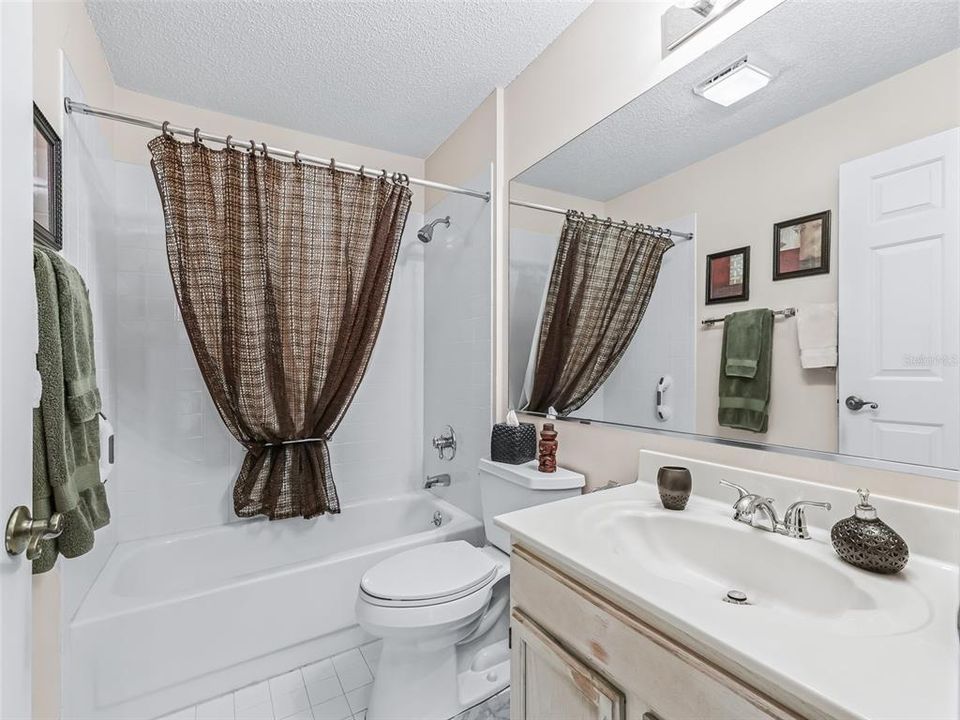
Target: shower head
x: 426, y: 232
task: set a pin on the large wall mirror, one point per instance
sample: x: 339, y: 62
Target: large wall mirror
x: 810, y: 166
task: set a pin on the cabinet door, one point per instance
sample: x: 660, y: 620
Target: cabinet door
x: 548, y: 683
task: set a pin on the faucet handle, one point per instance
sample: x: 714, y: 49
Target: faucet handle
x: 741, y: 510
x: 795, y: 519
x: 739, y: 488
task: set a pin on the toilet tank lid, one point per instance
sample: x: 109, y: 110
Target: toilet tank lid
x: 527, y: 475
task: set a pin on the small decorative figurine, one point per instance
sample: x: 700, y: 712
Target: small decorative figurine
x: 868, y: 542
x: 674, y: 485
x: 548, y: 449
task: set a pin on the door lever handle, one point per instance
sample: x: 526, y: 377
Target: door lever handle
x: 854, y: 403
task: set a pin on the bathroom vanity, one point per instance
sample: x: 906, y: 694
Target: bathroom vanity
x: 618, y: 609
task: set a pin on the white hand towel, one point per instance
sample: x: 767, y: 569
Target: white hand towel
x: 817, y: 334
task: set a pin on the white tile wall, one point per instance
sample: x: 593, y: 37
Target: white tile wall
x: 178, y: 460
x: 456, y: 313
x: 89, y: 243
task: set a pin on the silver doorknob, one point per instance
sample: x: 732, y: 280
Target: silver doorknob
x: 854, y: 403
x: 25, y: 533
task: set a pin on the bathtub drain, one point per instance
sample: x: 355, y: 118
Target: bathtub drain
x: 438, y: 518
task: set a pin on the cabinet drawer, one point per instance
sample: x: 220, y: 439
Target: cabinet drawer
x: 672, y: 681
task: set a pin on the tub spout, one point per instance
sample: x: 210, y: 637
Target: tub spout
x: 443, y: 480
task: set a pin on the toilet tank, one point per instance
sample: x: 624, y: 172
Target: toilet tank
x: 505, y: 488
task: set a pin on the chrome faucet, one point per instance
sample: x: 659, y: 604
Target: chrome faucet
x: 759, y: 512
x: 442, y: 480
x: 447, y: 440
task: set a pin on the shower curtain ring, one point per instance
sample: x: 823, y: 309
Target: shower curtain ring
x: 196, y: 136
x: 264, y: 146
x: 227, y: 142
x: 362, y: 173
x: 383, y: 175
x: 333, y: 165
x: 164, y: 130
x: 253, y: 146
x: 296, y: 158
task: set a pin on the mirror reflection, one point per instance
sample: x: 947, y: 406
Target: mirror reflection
x: 775, y: 260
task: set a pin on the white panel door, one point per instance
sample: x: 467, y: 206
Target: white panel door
x: 899, y: 252
x: 18, y: 339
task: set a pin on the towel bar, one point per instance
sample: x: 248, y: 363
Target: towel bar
x: 786, y: 312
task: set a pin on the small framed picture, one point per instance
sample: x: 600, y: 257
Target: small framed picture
x: 802, y: 246
x: 47, y: 208
x: 728, y: 276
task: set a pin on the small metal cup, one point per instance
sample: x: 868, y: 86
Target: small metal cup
x: 674, y: 484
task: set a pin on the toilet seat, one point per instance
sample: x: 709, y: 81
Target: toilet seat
x: 429, y: 575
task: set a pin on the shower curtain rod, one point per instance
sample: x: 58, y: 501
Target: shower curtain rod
x: 651, y: 228
x: 72, y: 106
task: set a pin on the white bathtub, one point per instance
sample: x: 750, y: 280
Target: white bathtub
x: 179, y: 619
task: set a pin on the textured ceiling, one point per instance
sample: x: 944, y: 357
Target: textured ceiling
x: 399, y: 76
x: 818, y: 52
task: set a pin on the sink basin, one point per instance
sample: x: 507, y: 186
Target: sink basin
x: 712, y: 555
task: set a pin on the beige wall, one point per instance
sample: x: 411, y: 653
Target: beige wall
x: 608, y: 454
x: 129, y: 141
x: 468, y: 150
x: 792, y: 170
x: 64, y: 26
x: 539, y: 221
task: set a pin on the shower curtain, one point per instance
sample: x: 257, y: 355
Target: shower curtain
x: 602, y: 279
x: 281, y: 271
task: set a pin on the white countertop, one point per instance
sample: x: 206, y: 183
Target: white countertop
x: 907, y: 671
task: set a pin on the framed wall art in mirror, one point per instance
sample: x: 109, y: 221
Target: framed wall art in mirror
x: 802, y: 246
x: 728, y: 276
x: 47, y: 176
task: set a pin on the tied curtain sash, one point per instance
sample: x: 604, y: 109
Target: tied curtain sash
x: 602, y: 279
x: 282, y: 272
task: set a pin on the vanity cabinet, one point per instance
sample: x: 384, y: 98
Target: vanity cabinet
x: 578, y: 655
x: 549, y: 682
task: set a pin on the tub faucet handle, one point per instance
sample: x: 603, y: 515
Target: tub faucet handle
x: 447, y: 440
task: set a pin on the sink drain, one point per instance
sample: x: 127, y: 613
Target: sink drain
x: 736, y: 597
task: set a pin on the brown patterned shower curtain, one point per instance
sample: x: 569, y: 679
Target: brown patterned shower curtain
x: 282, y: 271
x: 603, y: 276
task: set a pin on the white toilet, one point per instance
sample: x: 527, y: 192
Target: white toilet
x: 441, y: 609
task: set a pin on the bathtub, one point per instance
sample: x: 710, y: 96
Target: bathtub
x: 176, y: 620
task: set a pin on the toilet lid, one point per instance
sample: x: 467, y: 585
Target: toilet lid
x: 429, y: 572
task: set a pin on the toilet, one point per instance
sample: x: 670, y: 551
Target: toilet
x: 442, y: 609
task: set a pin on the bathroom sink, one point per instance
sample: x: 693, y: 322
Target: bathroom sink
x: 713, y: 555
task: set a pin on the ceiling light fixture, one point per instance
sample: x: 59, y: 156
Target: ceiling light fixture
x: 733, y: 83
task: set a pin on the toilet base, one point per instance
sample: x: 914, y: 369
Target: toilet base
x: 425, y: 684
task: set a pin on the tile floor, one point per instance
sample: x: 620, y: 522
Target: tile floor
x: 333, y: 689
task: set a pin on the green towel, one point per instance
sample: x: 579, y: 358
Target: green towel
x: 66, y: 426
x: 745, y: 400
x: 742, y: 340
